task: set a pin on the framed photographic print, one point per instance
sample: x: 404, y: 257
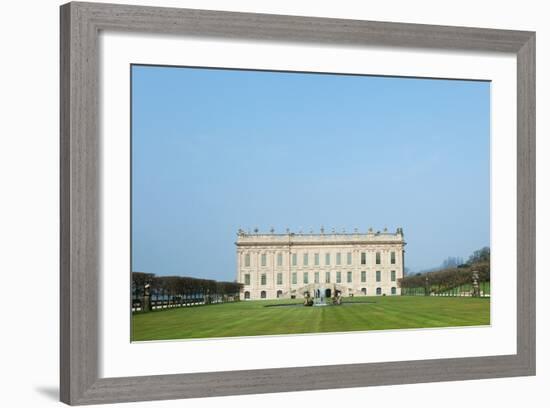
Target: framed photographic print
x: 273, y: 203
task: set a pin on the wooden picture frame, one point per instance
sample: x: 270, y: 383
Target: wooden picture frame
x: 80, y: 189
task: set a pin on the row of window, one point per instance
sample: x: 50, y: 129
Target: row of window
x: 316, y: 259
x: 316, y: 277
x: 263, y: 293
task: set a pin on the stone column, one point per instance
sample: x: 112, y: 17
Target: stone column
x: 146, y: 307
x: 475, y: 284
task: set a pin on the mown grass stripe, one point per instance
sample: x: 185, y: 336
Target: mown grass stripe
x: 253, y: 318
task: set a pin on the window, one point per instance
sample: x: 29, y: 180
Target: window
x: 327, y: 259
x: 338, y: 277
x: 349, y: 277
x: 363, y: 258
x: 263, y: 294
x: 247, y: 279
x: 393, y: 290
x: 364, y: 291
x: 316, y: 277
x: 279, y: 278
x: 392, y: 257
x: 378, y: 291
x: 294, y: 278
x: 327, y: 277
x: 247, y: 295
x: 264, y: 259
x: 306, y: 277
x: 279, y: 294
x: 279, y: 259
x: 378, y: 276
x: 247, y: 260
x: 263, y: 279
x: 349, y: 258
x: 338, y: 258
x: 294, y: 259
x: 316, y: 256
x: 393, y: 276
x: 363, y: 276
x: 378, y: 258
x: 306, y: 259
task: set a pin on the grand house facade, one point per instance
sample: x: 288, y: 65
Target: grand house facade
x: 271, y: 265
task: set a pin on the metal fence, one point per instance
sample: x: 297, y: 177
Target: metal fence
x: 464, y: 290
x: 166, y: 302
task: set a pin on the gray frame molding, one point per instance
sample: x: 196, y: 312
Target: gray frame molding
x: 80, y: 157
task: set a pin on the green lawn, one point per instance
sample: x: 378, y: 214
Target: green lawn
x: 252, y: 318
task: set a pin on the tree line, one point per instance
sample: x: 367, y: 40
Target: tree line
x: 177, y: 289
x: 451, y: 277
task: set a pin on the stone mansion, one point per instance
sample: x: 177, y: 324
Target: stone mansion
x: 288, y: 265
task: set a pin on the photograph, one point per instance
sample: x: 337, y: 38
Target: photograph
x: 275, y: 204
x: 296, y: 203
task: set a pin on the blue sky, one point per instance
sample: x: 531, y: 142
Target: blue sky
x: 217, y: 150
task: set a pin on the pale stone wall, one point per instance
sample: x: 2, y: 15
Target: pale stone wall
x: 279, y: 258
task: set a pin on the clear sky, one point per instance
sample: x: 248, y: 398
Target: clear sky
x: 218, y: 150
